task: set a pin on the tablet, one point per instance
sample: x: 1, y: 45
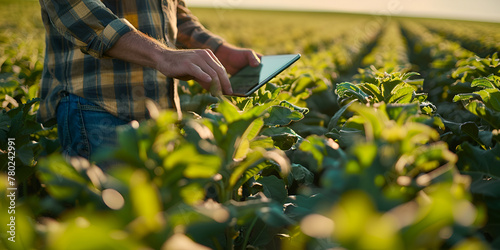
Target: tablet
x: 249, y: 79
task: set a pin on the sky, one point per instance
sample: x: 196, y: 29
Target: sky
x: 479, y: 10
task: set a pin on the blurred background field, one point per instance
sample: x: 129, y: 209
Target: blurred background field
x: 385, y: 133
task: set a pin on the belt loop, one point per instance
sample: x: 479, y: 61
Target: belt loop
x: 63, y: 93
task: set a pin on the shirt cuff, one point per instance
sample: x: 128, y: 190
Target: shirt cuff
x: 214, y: 43
x: 108, y: 37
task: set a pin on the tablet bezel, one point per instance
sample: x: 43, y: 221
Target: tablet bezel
x: 265, y: 80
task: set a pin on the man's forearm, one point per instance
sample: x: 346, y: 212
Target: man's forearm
x: 200, y: 65
x: 135, y: 47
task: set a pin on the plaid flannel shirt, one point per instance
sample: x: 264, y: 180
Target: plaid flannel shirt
x: 79, y: 32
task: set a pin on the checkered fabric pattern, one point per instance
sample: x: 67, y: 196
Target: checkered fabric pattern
x: 79, y: 32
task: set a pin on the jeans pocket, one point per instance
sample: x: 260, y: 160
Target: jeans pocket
x: 85, y: 127
x: 70, y: 128
x: 99, y: 126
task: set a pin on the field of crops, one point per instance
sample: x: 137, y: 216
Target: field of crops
x: 384, y: 135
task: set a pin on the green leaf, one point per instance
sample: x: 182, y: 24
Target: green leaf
x: 262, y: 142
x: 406, y: 76
x: 388, y: 87
x: 231, y: 141
x: 495, y: 80
x: 415, y: 82
x: 373, y: 90
x: 228, y: 110
x: 487, y: 187
x: 8, y: 86
x: 428, y: 108
x: 285, y: 141
x: 62, y: 180
x: 245, y: 170
x: 274, y: 131
x: 87, y: 230
x: 5, y: 122
x: 365, y: 153
x: 193, y: 193
x: 475, y: 159
x: 483, y: 83
x: 257, y: 111
x: 494, y: 57
x: 347, y: 89
x: 145, y: 201
x: 283, y: 137
x: 432, y: 156
x: 294, y: 107
x: 245, y: 211
x: 462, y: 70
x: 274, y: 216
x: 402, y: 111
x: 194, y: 164
x: 128, y: 151
x: 375, y: 119
x: 300, y: 175
x: 402, y: 93
x: 254, y: 129
x: 421, y: 97
x: 274, y: 188
x: 316, y: 147
x: 491, y: 97
x: 281, y: 116
x: 302, y: 83
x: 334, y: 120
x: 465, y: 97
x: 355, y: 122
x: 250, y: 133
x: 471, y: 129
x: 479, y: 109
x: 25, y: 154
x: 22, y: 120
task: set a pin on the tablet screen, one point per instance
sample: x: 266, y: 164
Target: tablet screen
x: 249, y: 79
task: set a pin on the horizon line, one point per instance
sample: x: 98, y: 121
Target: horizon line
x: 292, y: 9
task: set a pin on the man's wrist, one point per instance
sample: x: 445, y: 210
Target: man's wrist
x: 223, y: 51
x: 160, y: 56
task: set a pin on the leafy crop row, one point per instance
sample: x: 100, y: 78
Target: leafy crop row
x: 477, y: 38
x: 390, y: 53
x: 325, y: 156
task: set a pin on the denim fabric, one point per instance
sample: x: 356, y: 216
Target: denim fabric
x: 84, y: 127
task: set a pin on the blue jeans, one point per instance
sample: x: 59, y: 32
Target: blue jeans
x: 84, y: 127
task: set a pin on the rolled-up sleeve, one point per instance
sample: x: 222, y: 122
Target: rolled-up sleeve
x: 191, y: 33
x: 87, y: 23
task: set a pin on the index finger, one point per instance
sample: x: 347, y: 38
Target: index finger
x: 224, y: 82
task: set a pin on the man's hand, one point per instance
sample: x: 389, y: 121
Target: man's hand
x: 234, y: 58
x: 200, y: 65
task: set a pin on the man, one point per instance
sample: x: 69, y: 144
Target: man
x: 104, y: 59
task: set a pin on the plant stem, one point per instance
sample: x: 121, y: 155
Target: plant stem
x: 247, y: 234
